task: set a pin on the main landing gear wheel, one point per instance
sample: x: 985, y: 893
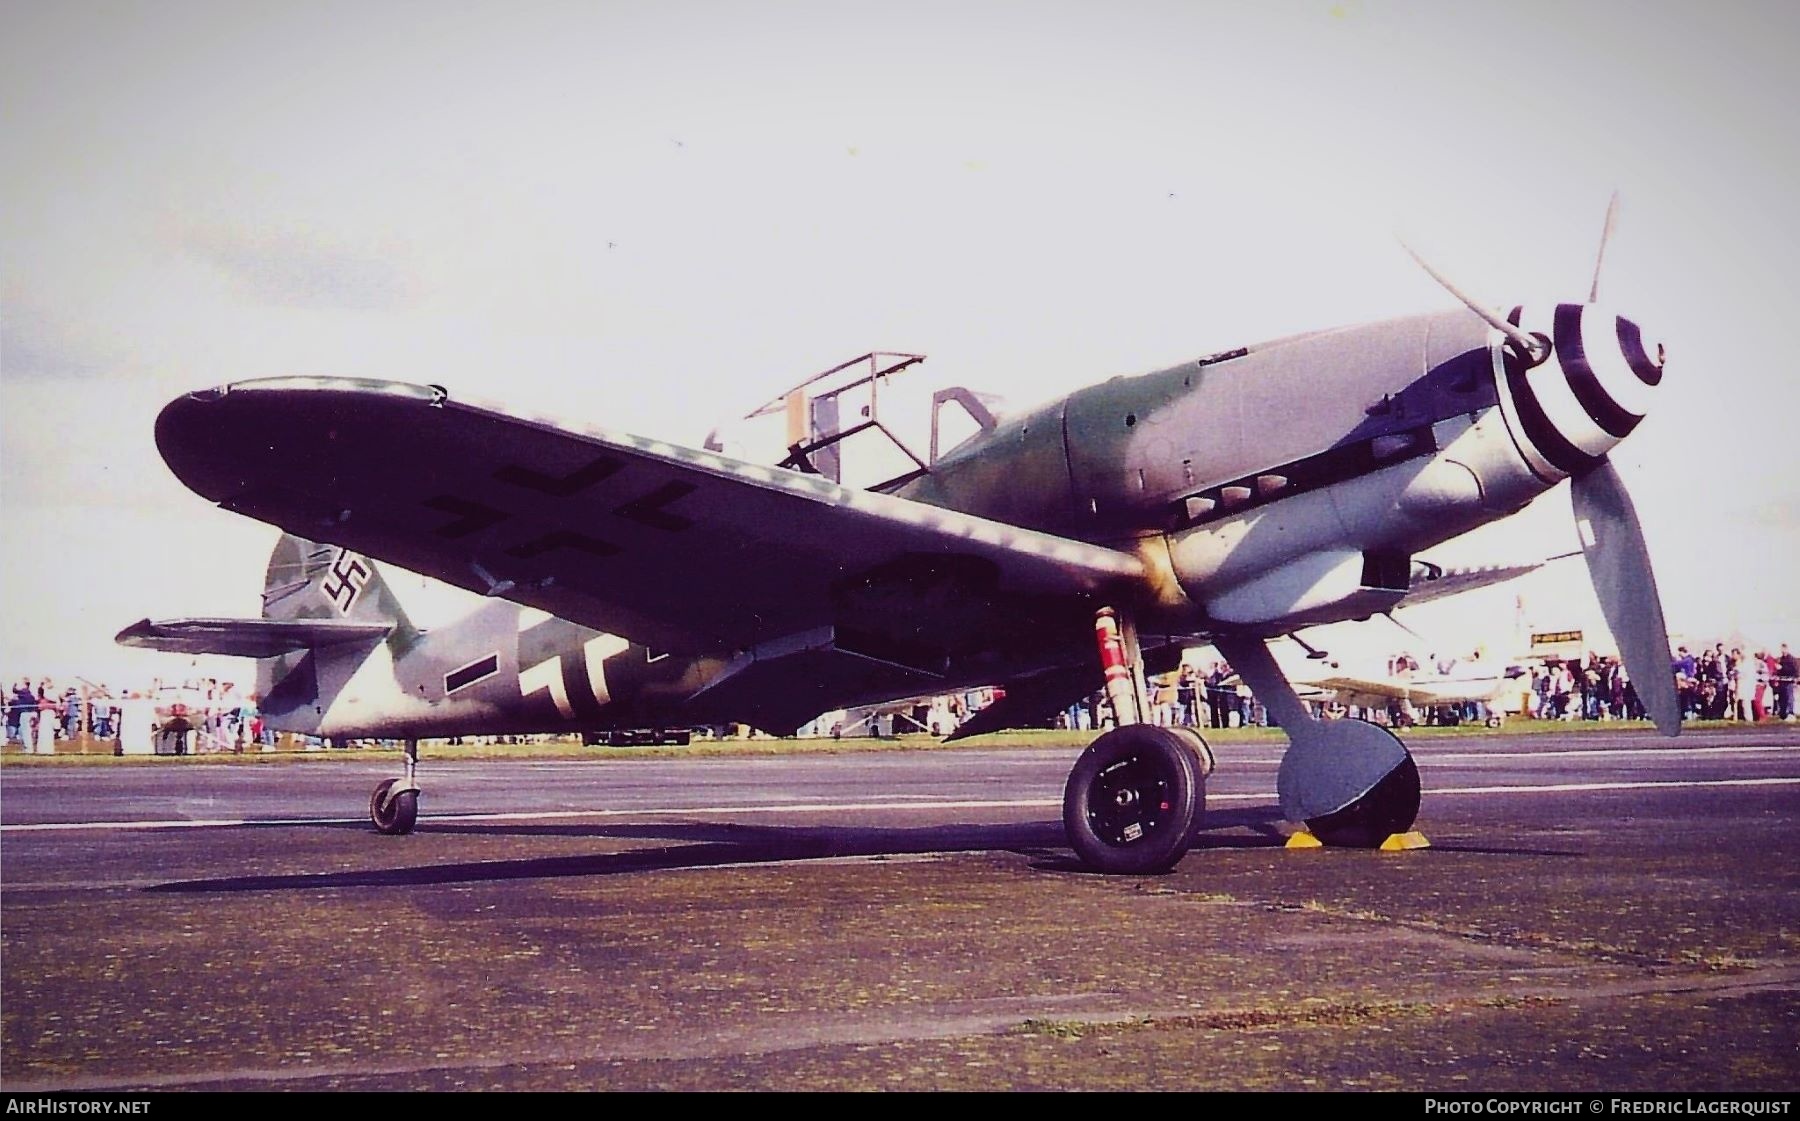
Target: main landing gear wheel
x: 393, y: 816
x: 1133, y: 800
x: 1353, y: 783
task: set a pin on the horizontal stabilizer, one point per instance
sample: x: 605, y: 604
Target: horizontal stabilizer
x: 247, y: 638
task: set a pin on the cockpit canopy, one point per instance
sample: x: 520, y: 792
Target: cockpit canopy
x: 846, y: 424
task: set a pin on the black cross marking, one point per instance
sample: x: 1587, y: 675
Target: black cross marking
x: 470, y: 517
x: 559, y: 487
x: 475, y: 671
x: 563, y: 539
x: 578, y: 687
x: 649, y: 511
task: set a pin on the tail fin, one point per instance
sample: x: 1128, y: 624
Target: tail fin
x: 307, y: 580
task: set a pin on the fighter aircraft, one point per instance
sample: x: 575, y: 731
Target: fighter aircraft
x: 1372, y: 687
x: 1229, y: 499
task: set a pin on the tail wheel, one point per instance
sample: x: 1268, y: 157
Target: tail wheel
x: 394, y: 816
x: 1133, y: 799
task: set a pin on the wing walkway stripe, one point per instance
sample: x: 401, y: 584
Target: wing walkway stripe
x: 857, y: 807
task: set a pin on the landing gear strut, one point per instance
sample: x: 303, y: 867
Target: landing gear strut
x: 1135, y: 796
x: 394, y: 807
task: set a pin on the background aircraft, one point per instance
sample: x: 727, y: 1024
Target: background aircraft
x: 1481, y: 665
x: 1372, y: 685
x: 1232, y: 498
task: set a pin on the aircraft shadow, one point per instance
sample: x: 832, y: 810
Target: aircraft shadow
x: 711, y: 844
x: 1254, y: 827
x: 1488, y: 850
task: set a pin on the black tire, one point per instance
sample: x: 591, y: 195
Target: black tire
x: 1133, y: 800
x: 399, y: 816
x: 1390, y: 807
x: 1204, y: 764
x: 1202, y: 750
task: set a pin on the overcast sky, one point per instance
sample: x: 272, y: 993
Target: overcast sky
x: 652, y: 216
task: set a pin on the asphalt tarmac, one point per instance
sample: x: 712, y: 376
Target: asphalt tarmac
x: 1598, y: 910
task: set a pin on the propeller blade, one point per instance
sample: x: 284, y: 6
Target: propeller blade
x: 1619, y: 565
x: 1612, y: 218
x: 1530, y: 347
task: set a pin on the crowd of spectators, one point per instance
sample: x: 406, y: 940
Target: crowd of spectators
x: 1184, y: 698
x: 1597, y: 689
x: 208, y: 713
x: 1717, y: 684
x: 44, y: 709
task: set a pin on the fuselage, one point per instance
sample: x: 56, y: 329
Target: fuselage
x: 1276, y: 486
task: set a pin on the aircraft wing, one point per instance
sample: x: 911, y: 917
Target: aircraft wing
x: 246, y: 638
x: 1355, y: 685
x: 1432, y: 581
x: 674, y: 547
x: 1424, y: 690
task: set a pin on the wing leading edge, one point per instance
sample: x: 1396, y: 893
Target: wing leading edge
x: 671, y: 546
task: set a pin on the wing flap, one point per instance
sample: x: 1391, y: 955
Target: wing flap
x: 675, y: 547
x: 246, y: 638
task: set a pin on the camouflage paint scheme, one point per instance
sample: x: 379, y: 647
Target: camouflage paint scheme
x: 1239, y: 495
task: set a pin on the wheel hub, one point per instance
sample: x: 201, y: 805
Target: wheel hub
x: 1132, y: 800
x: 1129, y: 801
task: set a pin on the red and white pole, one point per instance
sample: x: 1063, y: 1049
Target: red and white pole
x: 1115, y: 663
